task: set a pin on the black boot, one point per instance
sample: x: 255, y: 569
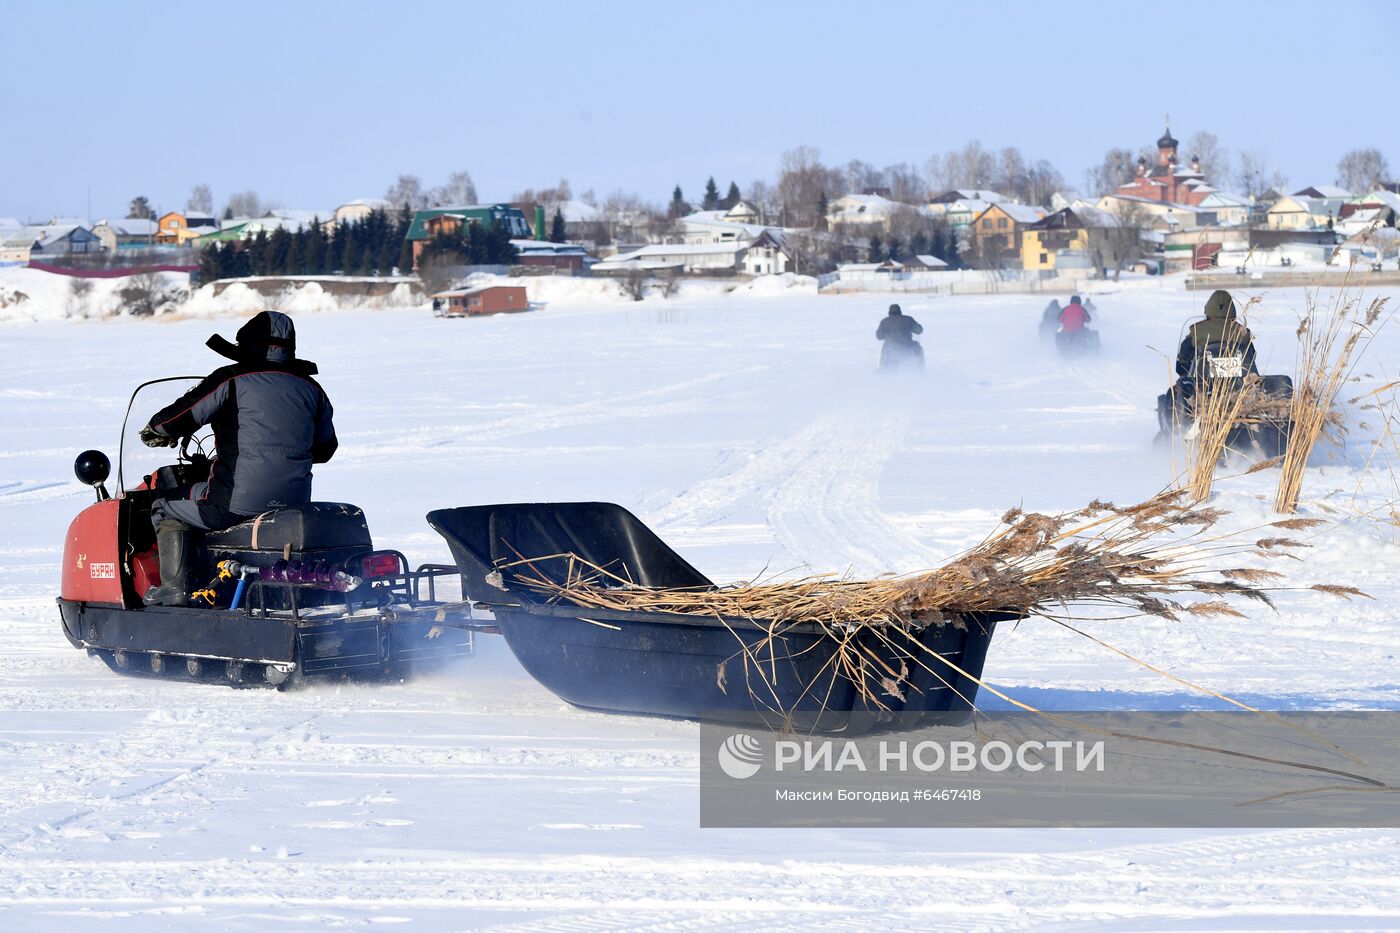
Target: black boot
x: 177, y: 543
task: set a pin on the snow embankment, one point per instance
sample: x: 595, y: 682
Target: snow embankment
x: 28, y: 295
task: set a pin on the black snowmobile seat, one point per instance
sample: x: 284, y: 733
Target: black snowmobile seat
x: 313, y: 526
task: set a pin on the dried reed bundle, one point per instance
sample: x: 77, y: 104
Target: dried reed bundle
x: 1330, y: 343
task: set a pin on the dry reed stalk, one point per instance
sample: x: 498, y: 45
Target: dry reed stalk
x: 1220, y: 407
x: 1330, y: 343
x: 1162, y: 557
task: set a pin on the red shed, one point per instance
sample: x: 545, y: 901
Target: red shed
x: 489, y: 299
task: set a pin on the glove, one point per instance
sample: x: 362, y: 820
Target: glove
x: 150, y: 438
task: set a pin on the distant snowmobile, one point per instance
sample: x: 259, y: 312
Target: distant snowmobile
x: 1074, y: 337
x: 899, y: 350
x: 1218, y: 354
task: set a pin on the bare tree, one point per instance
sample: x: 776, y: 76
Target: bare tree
x: 1256, y: 175
x: 968, y: 167
x: 1214, y: 158
x: 246, y: 204
x: 201, y: 199
x: 1117, y: 168
x: 1361, y: 171
x: 1118, y: 243
x: 634, y: 284
x: 906, y: 183
x: 764, y: 200
x: 802, y: 181
x: 460, y: 190
x: 407, y: 189
x: 143, y: 294
x: 859, y: 176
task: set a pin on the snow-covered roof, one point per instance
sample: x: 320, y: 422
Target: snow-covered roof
x: 680, y: 249
x: 545, y: 247
x: 968, y: 194
x: 973, y: 206
x: 130, y: 226
x: 1325, y: 191
x: 1388, y: 198
x: 931, y: 261
x: 888, y: 265
x: 1021, y: 213
x: 10, y: 223
x: 1223, y: 199
x: 575, y: 212
x: 374, y: 204
x: 303, y: 218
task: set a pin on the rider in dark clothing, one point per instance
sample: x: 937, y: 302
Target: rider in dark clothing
x: 1220, y: 328
x: 897, y: 327
x: 271, y: 423
x: 900, y: 348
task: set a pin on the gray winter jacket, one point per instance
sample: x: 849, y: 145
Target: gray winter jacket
x: 271, y: 422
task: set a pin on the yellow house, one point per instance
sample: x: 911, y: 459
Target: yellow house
x: 178, y: 228
x: 1297, y: 212
x: 1062, y: 239
x: 996, y: 234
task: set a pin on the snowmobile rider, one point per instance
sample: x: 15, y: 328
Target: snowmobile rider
x: 897, y: 327
x: 1220, y: 327
x: 1074, y: 316
x: 271, y: 423
x: 1052, y: 313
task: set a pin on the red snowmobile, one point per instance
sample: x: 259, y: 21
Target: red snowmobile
x: 295, y: 592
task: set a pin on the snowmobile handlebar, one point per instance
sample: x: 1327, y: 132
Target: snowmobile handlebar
x: 131, y: 402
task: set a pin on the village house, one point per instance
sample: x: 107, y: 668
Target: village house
x: 996, y: 234
x: 47, y: 241
x: 720, y: 226
x: 569, y: 258
x: 938, y: 204
x: 177, y: 228
x: 127, y: 233
x: 1371, y: 211
x: 865, y: 210
x: 1303, y: 212
x: 764, y: 255
x: 1062, y: 240
x: 1230, y: 210
x: 453, y: 220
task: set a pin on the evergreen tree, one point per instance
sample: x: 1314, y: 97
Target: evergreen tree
x: 279, y: 244
x: 140, y: 209
x: 316, y: 249
x: 678, y: 207
x: 732, y: 197
x: 918, y: 244
x: 257, y: 254
x: 876, y: 252
x: 295, y: 263
x: 228, y: 213
x: 476, y: 244
x: 895, y: 250
x: 210, y: 263
x: 499, y: 249
x: 711, y: 201
x: 556, y: 229
x: 821, y: 211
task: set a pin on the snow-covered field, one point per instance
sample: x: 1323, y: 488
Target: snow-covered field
x: 751, y: 430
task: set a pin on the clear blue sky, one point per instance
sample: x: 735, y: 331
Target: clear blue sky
x: 313, y: 103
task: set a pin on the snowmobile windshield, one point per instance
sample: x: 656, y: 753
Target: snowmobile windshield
x: 146, y: 399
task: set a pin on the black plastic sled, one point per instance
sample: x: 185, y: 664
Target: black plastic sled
x: 681, y: 665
